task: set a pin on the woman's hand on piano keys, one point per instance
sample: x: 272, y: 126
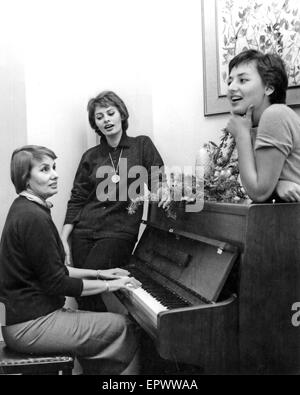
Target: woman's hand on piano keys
x: 124, y: 283
x: 111, y: 274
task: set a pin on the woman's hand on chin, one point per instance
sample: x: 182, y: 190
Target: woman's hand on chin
x: 238, y: 124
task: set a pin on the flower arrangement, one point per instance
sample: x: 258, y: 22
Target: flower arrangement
x: 171, y: 210
x: 217, y: 181
x: 221, y: 172
x: 181, y: 189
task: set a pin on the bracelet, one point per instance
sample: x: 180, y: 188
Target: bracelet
x: 107, y: 286
x: 98, y: 274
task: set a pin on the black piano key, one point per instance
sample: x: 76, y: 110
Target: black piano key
x: 165, y: 296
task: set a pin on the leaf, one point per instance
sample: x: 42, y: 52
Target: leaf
x: 288, y: 58
x: 262, y: 39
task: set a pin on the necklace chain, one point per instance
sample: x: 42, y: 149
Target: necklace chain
x: 116, y: 169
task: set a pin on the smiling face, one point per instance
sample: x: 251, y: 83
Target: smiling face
x: 43, y: 178
x: 245, y: 88
x: 109, y: 121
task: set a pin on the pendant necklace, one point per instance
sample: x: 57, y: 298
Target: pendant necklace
x: 115, y: 177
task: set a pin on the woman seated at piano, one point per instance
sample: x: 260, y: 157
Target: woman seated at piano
x: 34, y: 280
x: 97, y: 225
x: 266, y: 130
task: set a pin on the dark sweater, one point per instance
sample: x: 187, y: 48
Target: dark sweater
x: 108, y: 217
x: 33, y: 278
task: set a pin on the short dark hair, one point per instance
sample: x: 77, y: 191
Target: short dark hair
x: 22, y: 161
x: 106, y: 99
x: 271, y: 69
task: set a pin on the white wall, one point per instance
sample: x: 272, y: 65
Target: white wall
x: 12, y: 110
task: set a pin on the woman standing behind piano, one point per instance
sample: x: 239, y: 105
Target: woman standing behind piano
x: 257, y: 86
x: 98, y: 227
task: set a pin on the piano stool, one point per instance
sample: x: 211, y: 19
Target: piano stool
x: 13, y: 362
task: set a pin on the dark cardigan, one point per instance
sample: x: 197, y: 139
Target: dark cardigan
x: 33, y: 278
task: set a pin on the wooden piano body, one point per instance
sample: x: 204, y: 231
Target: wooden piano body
x: 248, y: 327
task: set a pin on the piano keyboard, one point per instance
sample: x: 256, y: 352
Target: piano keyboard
x: 154, y: 297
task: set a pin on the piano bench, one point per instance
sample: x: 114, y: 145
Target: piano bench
x: 12, y: 362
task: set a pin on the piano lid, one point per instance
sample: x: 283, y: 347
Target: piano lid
x: 196, y: 263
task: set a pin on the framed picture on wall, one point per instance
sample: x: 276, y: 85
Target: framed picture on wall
x: 230, y: 26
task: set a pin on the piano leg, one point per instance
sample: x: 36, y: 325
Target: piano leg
x: 153, y: 364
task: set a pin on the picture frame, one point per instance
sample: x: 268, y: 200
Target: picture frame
x: 216, y: 102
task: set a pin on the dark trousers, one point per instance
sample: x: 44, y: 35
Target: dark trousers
x: 105, y: 253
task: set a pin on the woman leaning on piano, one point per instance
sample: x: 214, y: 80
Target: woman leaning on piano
x: 98, y: 232
x: 34, y: 279
x: 260, y: 119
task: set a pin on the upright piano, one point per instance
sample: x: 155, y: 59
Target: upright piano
x: 218, y: 287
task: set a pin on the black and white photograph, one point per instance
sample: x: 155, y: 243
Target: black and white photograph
x: 150, y: 189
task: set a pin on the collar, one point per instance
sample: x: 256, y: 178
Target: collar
x: 36, y: 199
x: 124, y: 143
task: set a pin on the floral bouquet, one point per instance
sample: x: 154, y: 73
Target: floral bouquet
x: 221, y: 172
x: 171, y: 192
x: 216, y: 179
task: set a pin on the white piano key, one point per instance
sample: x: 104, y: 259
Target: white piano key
x: 144, y: 297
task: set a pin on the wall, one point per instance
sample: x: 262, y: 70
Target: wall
x: 12, y: 110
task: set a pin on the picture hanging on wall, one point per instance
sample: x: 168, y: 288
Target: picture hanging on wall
x: 230, y: 26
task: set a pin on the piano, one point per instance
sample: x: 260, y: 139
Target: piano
x: 218, y: 287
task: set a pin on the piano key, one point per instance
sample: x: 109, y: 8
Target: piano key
x: 149, y: 300
x: 156, y: 293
